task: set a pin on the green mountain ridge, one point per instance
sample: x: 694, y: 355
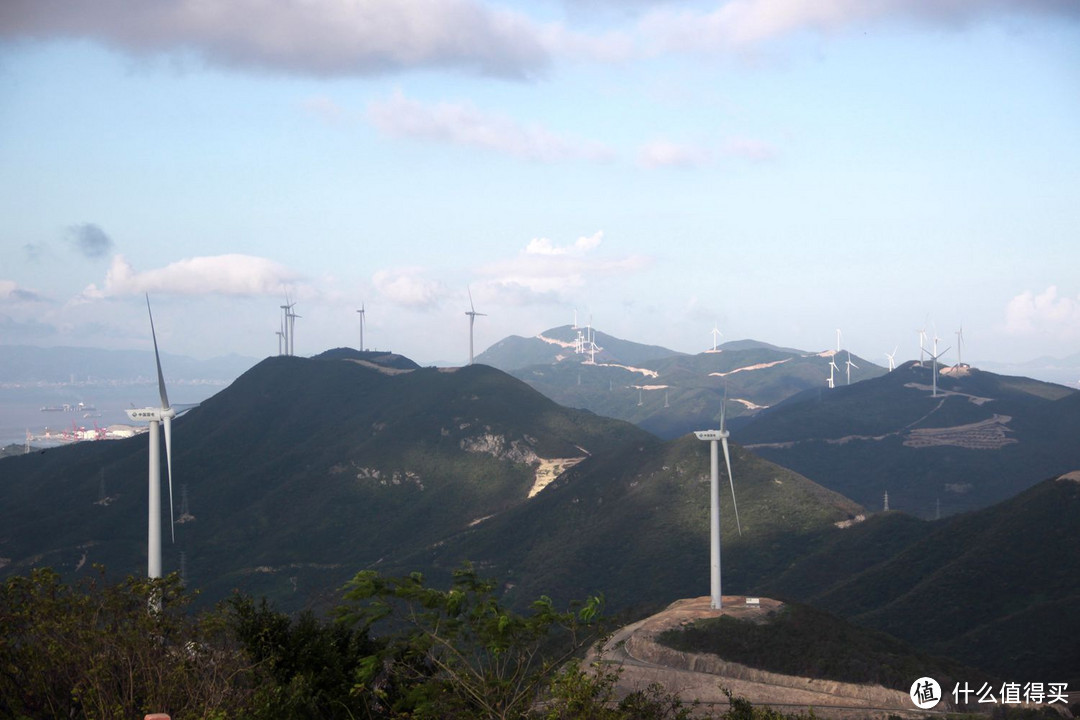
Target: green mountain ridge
x: 985, y: 438
x: 306, y: 470
x: 299, y: 474
x: 995, y: 588
x: 664, y: 392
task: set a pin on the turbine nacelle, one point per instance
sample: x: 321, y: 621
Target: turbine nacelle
x: 150, y: 414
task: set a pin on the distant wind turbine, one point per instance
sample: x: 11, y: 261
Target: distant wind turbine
x: 892, y: 358
x: 833, y: 368
x: 837, y: 339
x: 849, y: 366
x: 922, y: 340
x: 715, y: 332
x: 471, y: 312
x: 936, y: 355
x: 285, y: 323
x: 713, y: 436
x: 156, y: 417
x: 361, y: 311
x: 959, y: 345
x: 292, y: 329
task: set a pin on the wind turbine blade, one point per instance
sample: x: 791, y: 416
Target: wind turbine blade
x: 471, y: 306
x: 168, y: 461
x: 727, y: 461
x: 157, y: 358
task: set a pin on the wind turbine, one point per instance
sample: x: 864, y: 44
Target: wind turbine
x: 292, y: 329
x: 361, y: 311
x: 959, y: 345
x: 833, y: 368
x: 715, y: 332
x: 837, y: 339
x: 849, y: 366
x: 471, y: 312
x: 714, y: 436
x: 892, y: 358
x: 156, y: 417
x: 286, y: 309
x: 922, y: 341
x: 935, y: 357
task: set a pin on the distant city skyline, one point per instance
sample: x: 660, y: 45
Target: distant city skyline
x: 768, y: 168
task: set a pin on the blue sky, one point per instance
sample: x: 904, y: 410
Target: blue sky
x: 775, y: 167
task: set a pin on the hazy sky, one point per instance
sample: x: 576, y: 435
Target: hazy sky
x: 780, y: 168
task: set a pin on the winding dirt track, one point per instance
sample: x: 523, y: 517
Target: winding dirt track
x: 642, y: 661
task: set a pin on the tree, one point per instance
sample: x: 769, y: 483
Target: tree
x: 459, y: 652
x: 113, y: 650
x: 307, y: 666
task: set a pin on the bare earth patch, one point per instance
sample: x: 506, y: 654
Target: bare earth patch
x: 548, y: 470
x: 987, y: 434
x: 759, y: 366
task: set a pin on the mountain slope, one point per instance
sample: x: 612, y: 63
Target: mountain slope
x: 300, y: 473
x: 634, y: 524
x: 668, y: 393
x: 985, y: 438
x: 995, y: 588
x: 306, y: 470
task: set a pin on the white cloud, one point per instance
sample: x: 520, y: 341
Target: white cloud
x: 662, y: 153
x: 544, y: 246
x: 408, y: 287
x: 218, y: 274
x: 544, y: 272
x: 742, y: 24
x: 1044, y: 314
x: 309, y: 37
x: 11, y: 293
x: 462, y: 124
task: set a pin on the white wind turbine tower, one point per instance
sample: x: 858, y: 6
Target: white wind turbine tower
x: 959, y: 346
x: 837, y: 339
x: 922, y: 343
x: 935, y: 357
x: 892, y: 358
x: 849, y: 366
x: 713, y: 436
x: 361, y: 311
x: 715, y: 333
x: 593, y: 347
x: 285, y: 323
x: 833, y: 368
x: 156, y: 417
x: 471, y: 312
x: 280, y: 337
x: 292, y: 329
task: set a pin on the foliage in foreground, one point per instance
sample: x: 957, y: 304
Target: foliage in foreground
x: 97, y: 650
x: 397, y: 649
